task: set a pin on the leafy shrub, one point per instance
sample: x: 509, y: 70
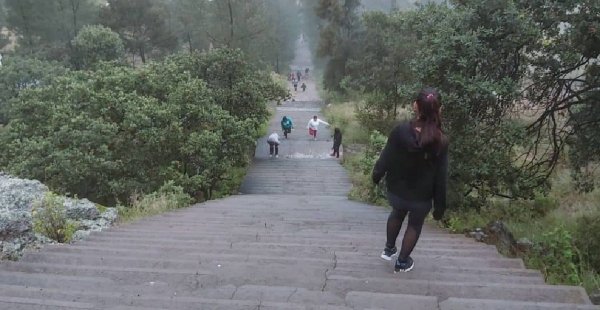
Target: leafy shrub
x: 557, y: 257
x: 168, y: 197
x: 361, y: 167
x: 50, y: 219
x: 587, y: 241
x: 376, y: 144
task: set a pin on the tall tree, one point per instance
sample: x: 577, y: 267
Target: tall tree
x: 3, y: 37
x: 265, y: 30
x: 51, y: 24
x: 141, y: 24
x: 192, y: 23
x: 337, y: 37
x: 95, y: 44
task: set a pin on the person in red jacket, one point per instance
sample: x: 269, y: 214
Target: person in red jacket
x: 415, y: 164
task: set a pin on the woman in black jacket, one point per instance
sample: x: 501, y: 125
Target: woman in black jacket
x: 415, y: 163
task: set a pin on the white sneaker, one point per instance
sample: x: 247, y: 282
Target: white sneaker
x: 276, y: 156
x: 271, y: 156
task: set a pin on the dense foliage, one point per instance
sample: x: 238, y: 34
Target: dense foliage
x: 20, y: 73
x: 95, y: 44
x: 115, y: 131
x: 266, y: 30
x: 490, y: 60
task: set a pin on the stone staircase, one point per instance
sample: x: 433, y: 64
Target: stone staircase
x: 291, y: 241
x: 272, y: 252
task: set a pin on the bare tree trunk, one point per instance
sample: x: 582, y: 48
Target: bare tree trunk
x: 75, y: 9
x: 189, y: 39
x: 393, y: 5
x: 230, y: 22
x: 142, y: 55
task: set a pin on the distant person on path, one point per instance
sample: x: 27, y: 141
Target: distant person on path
x: 306, y: 71
x: 273, y: 141
x: 313, y: 126
x: 286, y: 126
x: 337, y: 142
x: 303, y: 86
x: 295, y: 85
x: 415, y: 164
x: 299, y: 75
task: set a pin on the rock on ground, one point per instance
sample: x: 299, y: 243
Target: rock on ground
x: 17, y: 198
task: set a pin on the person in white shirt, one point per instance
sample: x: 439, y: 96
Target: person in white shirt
x: 313, y: 126
x: 273, y: 141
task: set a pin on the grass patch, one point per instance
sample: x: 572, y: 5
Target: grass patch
x: 169, y: 197
x: 341, y: 115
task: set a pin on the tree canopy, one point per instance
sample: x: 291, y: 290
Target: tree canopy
x: 115, y: 131
x: 518, y: 76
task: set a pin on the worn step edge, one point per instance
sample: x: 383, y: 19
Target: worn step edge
x: 362, y: 300
x: 446, y: 289
x: 454, y: 303
x: 111, y: 301
x: 193, y: 252
x: 45, y: 302
x: 303, y: 249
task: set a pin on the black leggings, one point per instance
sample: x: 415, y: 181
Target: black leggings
x: 273, y: 147
x: 417, y: 212
x: 336, y: 151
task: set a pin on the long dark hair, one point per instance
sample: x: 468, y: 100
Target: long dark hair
x: 431, y: 138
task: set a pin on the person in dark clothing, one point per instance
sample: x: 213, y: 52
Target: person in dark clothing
x: 415, y: 164
x: 303, y: 86
x: 337, y: 142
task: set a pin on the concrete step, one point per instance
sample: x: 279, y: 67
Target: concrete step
x: 18, y: 303
x: 292, y: 192
x: 335, y: 235
x: 267, y: 241
x: 20, y: 278
x: 487, y: 304
x: 446, y: 289
x: 185, y: 266
x: 387, y: 272
x: 131, y: 258
x: 283, y: 249
x: 342, y: 260
x: 325, y: 238
x: 364, y: 300
x: 282, y: 294
x: 207, y: 274
x: 245, y: 297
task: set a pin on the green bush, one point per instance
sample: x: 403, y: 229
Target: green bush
x: 361, y: 166
x: 557, y: 257
x: 587, y: 241
x: 374, y: 147
x: 168, y: 197
x: 50, y: 219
